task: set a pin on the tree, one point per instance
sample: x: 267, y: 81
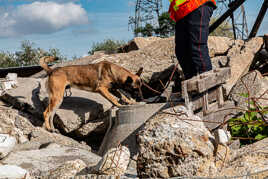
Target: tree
x: 108, y: 46
x: 7, y: 60
x: 166, y: 26
x: 146, y: 12
x: 28, y: 55
x: 224, y: 30
x: 146, y: 31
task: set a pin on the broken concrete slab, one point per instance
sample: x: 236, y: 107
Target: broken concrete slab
x: 22, y: 126
x: 252, y: 84
x: 15, y: 123
x: 38, y: 162
x: 40, y: 137
x: 241, y: 61
x: 219, y: 45
x: 68, y: 170
x: 138, y: 43
x: 7, y: 143
x: 13, y: 172
x: 114, y: 162
x: 129, y: 119
x: 174, y: 145
x: 248, y: 160
x: 75, y: 111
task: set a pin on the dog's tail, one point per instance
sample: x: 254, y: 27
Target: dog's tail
x: 46, y: 59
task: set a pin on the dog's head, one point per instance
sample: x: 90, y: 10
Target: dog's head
x: 133, y: 84
x: 134, y: 81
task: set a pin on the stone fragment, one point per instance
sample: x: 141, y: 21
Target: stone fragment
x: 7, y: 143
x: 114, y: 162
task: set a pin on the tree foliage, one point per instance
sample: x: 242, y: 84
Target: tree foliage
x: 224, y: 30
x: 146, y: 31
x: 27, y: 55
x: 165, y: 27
x: 109, y: 46
x: 252, y: 125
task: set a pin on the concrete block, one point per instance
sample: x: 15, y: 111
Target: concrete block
x: 7, y: 143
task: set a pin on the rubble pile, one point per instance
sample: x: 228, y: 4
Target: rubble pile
x: 173, y: 142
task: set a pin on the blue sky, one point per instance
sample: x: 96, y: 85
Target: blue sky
x: 73, y: 26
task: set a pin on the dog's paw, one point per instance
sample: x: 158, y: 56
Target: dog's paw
x: 123, y: 102
x: 56, y: 131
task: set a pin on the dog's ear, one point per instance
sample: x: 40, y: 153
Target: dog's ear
x: 139, y: 71
x: 129, y: 81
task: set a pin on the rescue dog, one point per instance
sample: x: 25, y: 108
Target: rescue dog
x: 100, y: 78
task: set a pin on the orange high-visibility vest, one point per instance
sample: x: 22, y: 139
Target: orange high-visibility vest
x: 181, y: 8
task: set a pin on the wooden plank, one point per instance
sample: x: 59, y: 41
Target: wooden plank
x: 220, y: 97
x: 185, y: 95
x: 212, y: 120
x: 209, y: 79
x: 205, y: 107
x: 197, y: 103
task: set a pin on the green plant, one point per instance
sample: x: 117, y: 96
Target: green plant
x: 27, y: 55
x: 7, y: 59
x: 224, y: 30
x: 108, y: 46
x: 166, y: 26
x: 252, y: 126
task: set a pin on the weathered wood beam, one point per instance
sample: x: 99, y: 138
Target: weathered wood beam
x: 208, y: 80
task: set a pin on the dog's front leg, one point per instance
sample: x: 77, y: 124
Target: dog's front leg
x: 125, y: 99
x: 105, y: 93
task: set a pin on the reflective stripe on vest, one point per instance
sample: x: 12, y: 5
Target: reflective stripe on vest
x: 178, y: 3
x: 180, y: 8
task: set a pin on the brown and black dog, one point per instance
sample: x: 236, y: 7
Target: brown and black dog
x: 99, y: 77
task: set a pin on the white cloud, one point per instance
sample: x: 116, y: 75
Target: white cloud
x: 41, y: 18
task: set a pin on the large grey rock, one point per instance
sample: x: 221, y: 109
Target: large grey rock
x: 67, y: 170
x: 29, y: 137
x: 138, y: 43
x: 38, y: 162
x: 7, y: 143
x: 96, y: 176
x: 219, y: 46
x: 16, y: 123
x: 40, y: 137
x: 170, y: 146
x: 81, y: 108
x: 114, y: 162
x: 241, y: 59
x: 13, y: 172
x: 247, y: 160
x: 252, y: 84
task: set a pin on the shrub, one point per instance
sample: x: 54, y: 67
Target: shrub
x: 108, y: 46
x: 252, y: 126
x: 28, y: 55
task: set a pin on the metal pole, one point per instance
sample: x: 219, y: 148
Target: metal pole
x: 229, y: 12
x: 259, y: 19
x: 233, y: 23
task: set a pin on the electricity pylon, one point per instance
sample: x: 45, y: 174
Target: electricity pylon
x: 146, y: 11
x: 237, y: 19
